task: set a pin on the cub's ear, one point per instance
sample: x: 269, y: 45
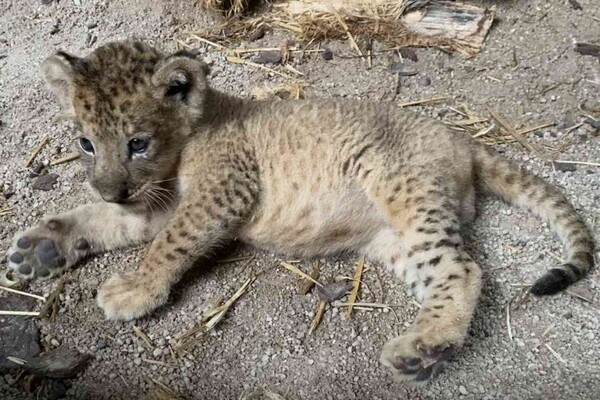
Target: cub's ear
x: 181, y: 80
x: 59, y: 71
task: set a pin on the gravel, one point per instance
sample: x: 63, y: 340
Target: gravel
x: 262, y: 342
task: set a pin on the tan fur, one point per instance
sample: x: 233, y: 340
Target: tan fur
x: 303, y: 178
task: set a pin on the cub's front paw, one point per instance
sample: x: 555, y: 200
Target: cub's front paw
x: 127, y: 296
x: 411, y: 359
x: 46, y: 250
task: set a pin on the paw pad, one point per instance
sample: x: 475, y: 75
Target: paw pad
x: 47, y: 254
x: 45, y: 250
x: 24, y: 243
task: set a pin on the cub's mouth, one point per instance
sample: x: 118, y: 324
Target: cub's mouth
x: 153, y: 194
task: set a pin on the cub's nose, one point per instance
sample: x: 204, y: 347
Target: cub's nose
x: 115, y: 196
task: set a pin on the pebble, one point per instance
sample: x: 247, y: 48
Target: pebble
x: 425, y: 81
x: 327, y: 55
x: 45, y: 182
x: 463, y: 390
x: 403, y: 69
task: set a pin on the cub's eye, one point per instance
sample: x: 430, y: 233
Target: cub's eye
x: 138, y: 146
x: 86, y: 145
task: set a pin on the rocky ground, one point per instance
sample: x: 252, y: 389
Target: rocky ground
x: 528, y: 71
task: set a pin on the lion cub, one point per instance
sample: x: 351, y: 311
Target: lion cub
x: 188, y: 168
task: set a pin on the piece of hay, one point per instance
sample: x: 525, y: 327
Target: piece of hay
x: 52, y: 304
x: 210, y: 319
x: 163, y: 392
x: 318, y: 317
x: 307, y: 284
x: 69, y: 157
x: 229, y: 7
x: 298, y: 271
x: 36, y: 151
x: 140, y: 334
x: 15, y: 291
x: 6, y: 212
x: 20, y: 313
x: 356, y: 286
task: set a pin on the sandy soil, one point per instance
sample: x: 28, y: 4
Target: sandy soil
x: 262, y: 343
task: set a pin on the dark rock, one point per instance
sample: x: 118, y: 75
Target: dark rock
x: 257, y: 34
x: 595, y: 123
x: 19, y: 336
x: 327, y: 55
x: 334, y: 291
x: 45, y: 182
x: 8, y: 193
x: 268, y: 57
x: 45, y: 2
x: 403, y: 69
x: 36, y: 169
x: 101, y: 344
x: 575, y: 4
x: 60, y: 363
x: 425, y: 81
x: 588, y: 49
x: 409, y: 54
x: 564, y: 167
x: 55, y: 28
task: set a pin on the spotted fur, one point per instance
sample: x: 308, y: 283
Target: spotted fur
x: 302, y: 178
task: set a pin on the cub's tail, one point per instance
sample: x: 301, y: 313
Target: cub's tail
x: 517, y: 186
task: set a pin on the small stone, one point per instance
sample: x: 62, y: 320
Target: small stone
x: 588, y: 49
x: 92, y: 25
x: 334, y: 291
x: 463, y: 390
x: 564, y: 167
x: 101, y: 344
x: 58, y: 364
x: 55, y: 28
x: 268, y: 57
x: 425, y: 81
x: 409, y: 54
x: 54, y: 342
x: 8, y: 193
x: 327, y: 55
x: 590, y: 336
x: 594, y: 123
x: 36, y: 169
x: 403, y: 69
x: 157, y: 352
x: 575, y: 5
x: 45, y: 182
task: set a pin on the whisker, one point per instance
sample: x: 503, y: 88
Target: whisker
x: 159, y: 201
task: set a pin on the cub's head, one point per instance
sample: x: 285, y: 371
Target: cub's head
x: 134, y: 109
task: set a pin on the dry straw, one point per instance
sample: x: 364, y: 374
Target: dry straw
x: 401, y: 23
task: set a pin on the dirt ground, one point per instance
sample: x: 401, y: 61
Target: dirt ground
x: 553, y: 348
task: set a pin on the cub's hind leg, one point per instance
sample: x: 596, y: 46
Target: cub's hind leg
x: 436, y: 269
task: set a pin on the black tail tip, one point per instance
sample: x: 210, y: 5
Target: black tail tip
x: 554, y: 281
